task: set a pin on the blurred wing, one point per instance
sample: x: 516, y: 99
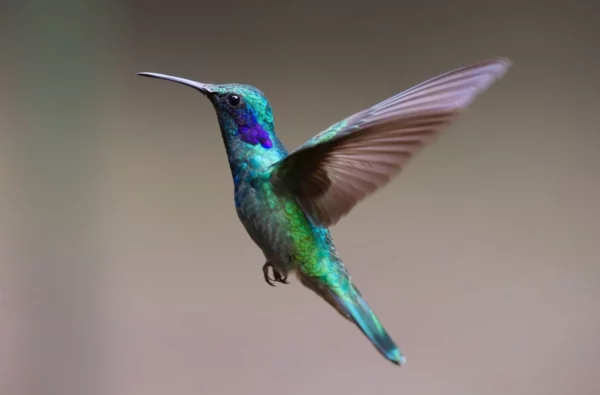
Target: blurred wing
x: 339, y: 167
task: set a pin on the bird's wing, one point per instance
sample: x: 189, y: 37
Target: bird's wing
x: 329, y: 174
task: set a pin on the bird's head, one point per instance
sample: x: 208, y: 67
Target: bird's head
x: 244, y: 112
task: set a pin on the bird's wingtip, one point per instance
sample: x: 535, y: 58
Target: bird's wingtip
x: 502, y: 65
x: 505, y: 60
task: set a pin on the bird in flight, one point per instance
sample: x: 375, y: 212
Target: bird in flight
x: 287, y: 201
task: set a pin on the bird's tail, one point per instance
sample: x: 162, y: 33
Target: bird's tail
x: 351, y: 304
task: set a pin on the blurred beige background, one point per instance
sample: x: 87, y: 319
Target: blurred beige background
x: 124, y: 269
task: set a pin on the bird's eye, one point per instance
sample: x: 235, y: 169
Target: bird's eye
x: 234, y: 100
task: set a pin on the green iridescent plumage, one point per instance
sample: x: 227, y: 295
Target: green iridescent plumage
x: 287, y: 201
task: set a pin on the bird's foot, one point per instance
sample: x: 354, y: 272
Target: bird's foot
x: 277, y: 277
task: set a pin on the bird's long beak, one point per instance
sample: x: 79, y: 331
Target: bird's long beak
x: 204, y: 88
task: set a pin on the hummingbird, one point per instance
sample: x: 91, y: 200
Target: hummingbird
x: 288, y: 201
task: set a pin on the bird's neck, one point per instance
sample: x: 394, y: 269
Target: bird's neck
x: 247, y: 160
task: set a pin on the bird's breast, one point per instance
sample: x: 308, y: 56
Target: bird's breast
x: 279, y: 227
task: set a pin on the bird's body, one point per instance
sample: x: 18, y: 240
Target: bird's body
x: 288, y: 201
x: 274, y: 221
x: 279, y: 227
x: 291, y: 242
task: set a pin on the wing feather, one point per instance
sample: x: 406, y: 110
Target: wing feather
x: 333, y: 171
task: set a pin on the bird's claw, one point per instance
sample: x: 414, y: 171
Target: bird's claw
x: 277, y: 277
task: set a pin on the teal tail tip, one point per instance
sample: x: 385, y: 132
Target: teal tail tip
x: 369, y: 324
x: 396, y: 357
x: 352, y: 306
